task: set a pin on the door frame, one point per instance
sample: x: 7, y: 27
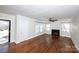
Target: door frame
x: 9, y: 28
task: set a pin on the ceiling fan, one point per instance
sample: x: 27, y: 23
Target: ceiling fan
x: 52, y: 20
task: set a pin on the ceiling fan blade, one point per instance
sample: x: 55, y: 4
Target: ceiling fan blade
x: 53, y: 20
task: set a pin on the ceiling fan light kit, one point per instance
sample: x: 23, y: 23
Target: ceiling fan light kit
x: 52, y: 20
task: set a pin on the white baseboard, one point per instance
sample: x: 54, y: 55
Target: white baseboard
x: 29, y: 38
x: 75, y: 45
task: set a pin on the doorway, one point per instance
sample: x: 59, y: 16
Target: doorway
x: 5, y: 27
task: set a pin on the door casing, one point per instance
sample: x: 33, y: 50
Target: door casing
x: 9, y: 28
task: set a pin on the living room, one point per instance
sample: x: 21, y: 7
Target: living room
x: 40, y: 22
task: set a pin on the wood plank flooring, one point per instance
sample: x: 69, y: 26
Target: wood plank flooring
x: 44, y: 44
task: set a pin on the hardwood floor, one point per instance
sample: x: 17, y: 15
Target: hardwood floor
x: 44, y: 44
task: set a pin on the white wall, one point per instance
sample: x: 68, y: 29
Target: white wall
x: 25, y: 28
x: 12, y: 18
x: 56, y: 25
x: 75, y: 31
x: 48, y: 29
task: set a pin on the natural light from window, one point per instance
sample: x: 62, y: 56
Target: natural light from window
x: 66, y: 27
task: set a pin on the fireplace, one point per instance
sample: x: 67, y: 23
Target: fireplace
x: 55, y: 32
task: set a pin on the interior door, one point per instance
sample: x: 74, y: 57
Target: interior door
x: 4, y: 31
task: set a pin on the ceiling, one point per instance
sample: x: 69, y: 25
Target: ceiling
x: 42, y: 12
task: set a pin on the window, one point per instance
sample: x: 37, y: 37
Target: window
x: 66, y: 27
x: 39, y: 27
